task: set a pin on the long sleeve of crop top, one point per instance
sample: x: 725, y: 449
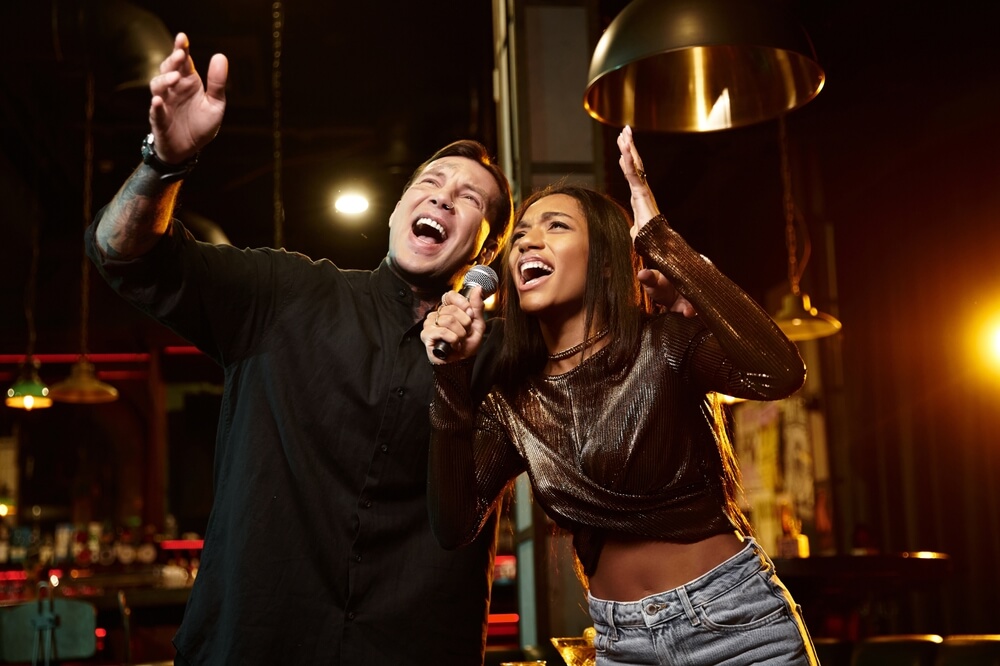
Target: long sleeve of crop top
x: 466, y: 473
x: 747, y: 355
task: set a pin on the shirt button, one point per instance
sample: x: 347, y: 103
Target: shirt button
x: 401, y: 293
x: 368, y: 504
x: 385, y: 449
x: 401, y: 391
x: 350, y: 615
x: 357, y: 558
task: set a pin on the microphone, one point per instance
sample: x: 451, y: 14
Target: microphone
x: 480, y: 276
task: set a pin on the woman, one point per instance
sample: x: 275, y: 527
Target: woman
x: 611, y: 412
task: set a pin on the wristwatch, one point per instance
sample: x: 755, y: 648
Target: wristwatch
x: 169, y: 173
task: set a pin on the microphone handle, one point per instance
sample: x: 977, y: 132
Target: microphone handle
x: 441, y: 348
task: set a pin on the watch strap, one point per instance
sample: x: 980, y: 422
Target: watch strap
x: 169, y: 173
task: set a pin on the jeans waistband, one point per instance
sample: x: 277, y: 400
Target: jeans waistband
x: 657, y: 608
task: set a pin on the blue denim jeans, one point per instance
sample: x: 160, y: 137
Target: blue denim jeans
x: 737, y: 613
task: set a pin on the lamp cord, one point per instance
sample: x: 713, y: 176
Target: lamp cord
x: 88, y: 178
x: 792, y: 215
x: 29, y: 292
x: 277, y: 30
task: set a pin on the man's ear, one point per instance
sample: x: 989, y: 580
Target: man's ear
x: 488, y: 253
x: 393, y: 214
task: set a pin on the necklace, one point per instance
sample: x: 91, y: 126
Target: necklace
x: 576, y: 349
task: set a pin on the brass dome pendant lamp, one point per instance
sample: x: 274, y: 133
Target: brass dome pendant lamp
x: 700, y: 66
x: 83, y: 386
x: 798, y: 319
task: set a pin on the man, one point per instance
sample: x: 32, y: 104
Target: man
x: 318, y: 548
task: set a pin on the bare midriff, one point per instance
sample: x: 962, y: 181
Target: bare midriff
x: 633, y: 570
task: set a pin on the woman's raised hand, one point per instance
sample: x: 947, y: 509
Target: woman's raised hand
x: 644, y: 206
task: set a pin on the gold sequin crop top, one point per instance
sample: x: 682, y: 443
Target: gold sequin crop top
x: 629, y: 452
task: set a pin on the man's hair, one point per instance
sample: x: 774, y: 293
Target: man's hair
x: 499, y: 213
x: 612, y: 292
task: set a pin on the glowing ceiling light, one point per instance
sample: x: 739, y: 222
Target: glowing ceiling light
x: 351, y: 204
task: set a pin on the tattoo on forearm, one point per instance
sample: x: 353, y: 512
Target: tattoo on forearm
x: 137, y: 216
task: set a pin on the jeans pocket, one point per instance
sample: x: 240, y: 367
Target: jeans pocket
x: 752, y: 603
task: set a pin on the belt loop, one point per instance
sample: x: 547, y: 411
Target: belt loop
x: 688, y: 608
x: 763, y: 557
x: 609, y: 617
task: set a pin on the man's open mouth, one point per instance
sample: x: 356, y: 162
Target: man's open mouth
x: 425, y: 227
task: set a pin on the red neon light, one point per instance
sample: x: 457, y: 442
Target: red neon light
x: 15, y: 359
x: 121, y: 375
x: 100, y: 632
x: 13, y: 575
x: 182, y: 544
x: 182, y: 350
x: 504, y: 618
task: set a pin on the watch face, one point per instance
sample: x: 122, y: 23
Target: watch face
x: 169, y: 173
x: 147, y: 148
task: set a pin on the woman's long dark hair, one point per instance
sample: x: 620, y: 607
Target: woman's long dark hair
x: 612, y: 291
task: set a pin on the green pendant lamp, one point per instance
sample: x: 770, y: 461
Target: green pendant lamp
x: 28, y: 391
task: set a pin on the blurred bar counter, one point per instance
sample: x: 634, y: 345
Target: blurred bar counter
x: 868, y: 594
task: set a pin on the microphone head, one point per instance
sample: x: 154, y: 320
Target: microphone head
x: 483, y: 277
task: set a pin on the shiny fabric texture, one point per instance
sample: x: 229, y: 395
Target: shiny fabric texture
x: 631, y: 452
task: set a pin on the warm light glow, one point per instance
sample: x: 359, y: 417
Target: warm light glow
x: 54, y: 580
x: 721, y: 115
x: 27, y: 402
x: 993, y: 343
x: 982, y: 339
x: 351, y: 203
x: 699, y: 83
x: 3, y: 510
x: 984, y: 343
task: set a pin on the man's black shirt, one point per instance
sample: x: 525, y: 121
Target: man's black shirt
x: 318, y: 548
